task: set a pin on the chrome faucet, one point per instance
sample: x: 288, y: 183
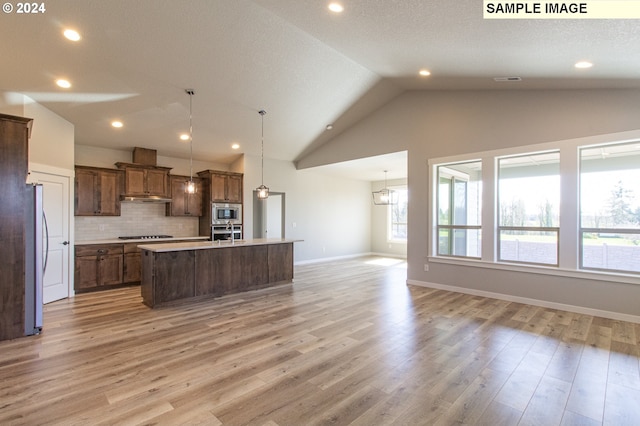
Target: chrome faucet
x: 233, y: 234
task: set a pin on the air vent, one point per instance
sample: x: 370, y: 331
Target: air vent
x: 501, y: 79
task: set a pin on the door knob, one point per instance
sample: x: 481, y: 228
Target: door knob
x: 65, y: 243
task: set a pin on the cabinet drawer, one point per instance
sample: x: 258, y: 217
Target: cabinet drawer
x: 97, y: 250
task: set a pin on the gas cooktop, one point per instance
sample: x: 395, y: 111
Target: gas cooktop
x: 144, y: 237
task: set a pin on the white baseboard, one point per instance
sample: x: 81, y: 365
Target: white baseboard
x: 331, y: 259
x: 392, y: 255
x: 535, y: 302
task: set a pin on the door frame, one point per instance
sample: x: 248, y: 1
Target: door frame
x: 68, y: 173
x: 260, y: 214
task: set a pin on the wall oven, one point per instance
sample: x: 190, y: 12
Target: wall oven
x: 223, y: 232
x: 225, y: 213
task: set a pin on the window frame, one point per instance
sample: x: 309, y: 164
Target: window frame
x: 569, y: 262
x: 500, y: 228
x: 596, y: 230
x: 390, y: 221
x: 453, y: 175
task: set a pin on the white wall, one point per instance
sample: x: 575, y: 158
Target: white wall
x: 12, y: 103
x: 332, y: 215
x: 52, y: 137
x: 432, y: 124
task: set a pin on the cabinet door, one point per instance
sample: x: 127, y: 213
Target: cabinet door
x: 157, y: 182
x: 182, y: 203
x: 134, y: 181
x: 178, y: 205
x: 234, y: 189
x: 86, y: 187
x: 109, y: 189
x: 132, y: 267
x: 110, y: 269
x: 218, y: 188
x: 86, y: 273
x: 194, y: 202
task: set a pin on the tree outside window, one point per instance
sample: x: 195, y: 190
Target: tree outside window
x: 610, y: 207
x: 529, y: 201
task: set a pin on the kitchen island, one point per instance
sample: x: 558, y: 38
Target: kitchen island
x: 177, y: 272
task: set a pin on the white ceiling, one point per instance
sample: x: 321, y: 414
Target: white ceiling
x: 304, y: 65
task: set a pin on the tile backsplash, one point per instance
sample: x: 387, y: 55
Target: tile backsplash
x: 135, y: 219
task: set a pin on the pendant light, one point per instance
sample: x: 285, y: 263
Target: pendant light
x: 190, y: 187
x: 263, y: 191
x: 385, y: 196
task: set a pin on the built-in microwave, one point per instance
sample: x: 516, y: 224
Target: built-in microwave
x: 224, y: 213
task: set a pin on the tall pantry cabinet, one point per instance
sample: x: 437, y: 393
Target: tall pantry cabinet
x: 14, y: 136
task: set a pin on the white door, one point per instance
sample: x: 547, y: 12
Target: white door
x: 56, y: 208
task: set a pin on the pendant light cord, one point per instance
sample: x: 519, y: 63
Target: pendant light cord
x: 262, y: 113
x: 190, y: 92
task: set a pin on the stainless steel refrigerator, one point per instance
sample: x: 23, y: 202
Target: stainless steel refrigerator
x: 35, y: 259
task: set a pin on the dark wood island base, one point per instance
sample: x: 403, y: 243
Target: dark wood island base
x: 178, y: 272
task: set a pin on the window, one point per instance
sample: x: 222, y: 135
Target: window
x: 572, y: 205
x: 529, y: 207
x: 610, y: 207
x: 459, y: 209
x: 398, y: 215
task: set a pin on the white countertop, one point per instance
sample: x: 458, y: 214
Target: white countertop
x: 202, y: 245
x: 145, y: 240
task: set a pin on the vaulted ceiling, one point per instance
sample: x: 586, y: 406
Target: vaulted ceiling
x: 305, y: 65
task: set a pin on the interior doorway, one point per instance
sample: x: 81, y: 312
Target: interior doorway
x: 269, y: 215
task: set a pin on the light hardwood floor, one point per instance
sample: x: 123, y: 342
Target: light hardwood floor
x: 348, y: 343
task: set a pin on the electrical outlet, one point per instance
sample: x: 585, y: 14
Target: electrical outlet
x: 426, y: 267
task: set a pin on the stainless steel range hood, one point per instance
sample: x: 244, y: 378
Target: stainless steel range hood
x: 144, y: 199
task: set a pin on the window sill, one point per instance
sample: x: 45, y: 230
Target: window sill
x: 542, y: 270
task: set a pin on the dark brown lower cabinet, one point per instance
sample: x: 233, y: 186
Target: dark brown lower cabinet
x: 132, y: 272
x: 176, y: 267
x: 97, y: 266
x: 178, y: 275
x: 280, y: 262
x: 101, y: 266
x: 231, y: 270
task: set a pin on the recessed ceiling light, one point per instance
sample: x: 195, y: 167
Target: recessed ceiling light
x: 336, y: 7
x: 235, y: 146
x: 184, y: 137
x: 583, y: 64
x: 72, y: 35
x: 63, y: 83
x: 117, y: 124
x: 424, y: 72
x: 329, y: 127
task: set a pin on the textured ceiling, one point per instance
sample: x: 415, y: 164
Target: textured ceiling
x: 304, y: 65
